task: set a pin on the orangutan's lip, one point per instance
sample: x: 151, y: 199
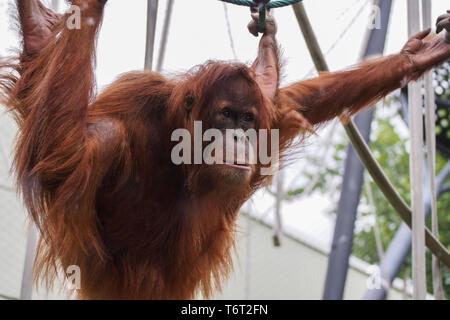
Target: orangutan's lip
x: 238, y: 166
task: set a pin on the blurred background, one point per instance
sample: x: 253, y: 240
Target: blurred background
x: 286, y: 231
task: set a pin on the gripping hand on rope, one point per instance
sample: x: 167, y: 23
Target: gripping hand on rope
x: 266, y: 65
x: 271, y: 25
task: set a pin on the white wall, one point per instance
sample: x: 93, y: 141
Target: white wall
x: 293, y: 271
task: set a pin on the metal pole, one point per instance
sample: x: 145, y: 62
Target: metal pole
x: 152, y: 13
x: 430, y: 124
x: 310, y: 38
x: 366, y: 156
x: 400, y: 246
x: 353, y: 179
x: 376, y: 229
x: 341, y: 249
x: 278, y: 202
x: 339, y: 256
x: 416, y: 168
x: 248, y: 255
x: 165, y: 35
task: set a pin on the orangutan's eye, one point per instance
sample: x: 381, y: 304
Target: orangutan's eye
x: 249, y: 117
x: 226, y: 112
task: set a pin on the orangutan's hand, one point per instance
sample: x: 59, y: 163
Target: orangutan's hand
x: 271, y: 25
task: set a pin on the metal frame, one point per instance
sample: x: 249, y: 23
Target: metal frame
x: 353, y: 179
x: 152, y: 13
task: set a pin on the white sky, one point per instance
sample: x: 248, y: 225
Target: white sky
x: 199, y: 32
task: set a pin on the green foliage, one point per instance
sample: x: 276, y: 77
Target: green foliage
x: 389, y: 148
x: 393, y: 157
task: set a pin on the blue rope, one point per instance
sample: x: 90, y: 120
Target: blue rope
x: 262, y: 5
x: 269, y: 5
x: 247, y: 3
x: 281, y: 3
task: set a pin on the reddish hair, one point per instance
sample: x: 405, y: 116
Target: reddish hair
x: 196, y: 89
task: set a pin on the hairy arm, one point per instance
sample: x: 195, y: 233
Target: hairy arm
x: 61, y: 159
x: 267, y: 64
x: 345, y: 93
x: 59, y: 87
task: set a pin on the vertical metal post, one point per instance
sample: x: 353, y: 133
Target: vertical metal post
x: 399, y: 248
x: 430, y: 125
x: 376, y: 229
x: 353, y: 178
x: 278, y: 201
x: 165, y: 35
x: 152, y: 13
x: 416, y: 168
x: 248, y: 257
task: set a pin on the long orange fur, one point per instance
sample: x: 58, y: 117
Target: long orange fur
x: 95, y: 171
